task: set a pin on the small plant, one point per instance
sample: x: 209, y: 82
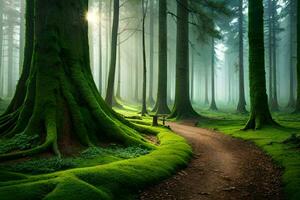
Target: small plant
x: 38, y: 166
x: 19, y: 141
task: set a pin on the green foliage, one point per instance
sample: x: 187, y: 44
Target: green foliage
x: 18, y: 142
x: 89, y: 157
x: 38, y: 166
x: 114, y: 180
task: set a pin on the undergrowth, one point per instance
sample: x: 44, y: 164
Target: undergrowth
x: 89, y: 157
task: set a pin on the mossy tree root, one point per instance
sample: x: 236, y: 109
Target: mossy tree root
x: 61, y: 98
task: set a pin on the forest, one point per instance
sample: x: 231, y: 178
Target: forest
x: 149, y: 99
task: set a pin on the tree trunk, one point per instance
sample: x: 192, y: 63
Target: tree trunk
x: 206, y: 101
x: 161, y: 106
x: 144, y: 94
x: 62, y: 104
x: 213, y: 105
x: 274, y: 106
x: 21, y: 37
x: 151, y: 101
x: 241, y: 108
x: 298, y: 60
x: 10, y: 55
x: 192, y: 75
x: 100, y: 47
x: 113, y: 55
x: 270, y: 43
x: 118, y: 92
x: 1, y: 44
x: 182, y: 108
x: 136, y: 72
x: 260, y: 113
x: 292, y: 102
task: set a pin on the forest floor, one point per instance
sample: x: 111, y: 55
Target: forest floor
x: 222, y: 168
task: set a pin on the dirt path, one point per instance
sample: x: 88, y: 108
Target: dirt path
x: 222, y: 168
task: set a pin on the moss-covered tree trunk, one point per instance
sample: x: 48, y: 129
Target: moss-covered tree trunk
x: 298, y: 60
x: 182, y: 107
x: 113, y: 55
x: 241, y: 108
x: 61, y: 103
x: 161, y: 106
x: 260, y: 113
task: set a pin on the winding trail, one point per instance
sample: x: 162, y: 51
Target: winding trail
x: 222, y: 168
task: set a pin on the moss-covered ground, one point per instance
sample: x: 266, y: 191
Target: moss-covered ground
x: 111, y: 172
x: 281, y: 143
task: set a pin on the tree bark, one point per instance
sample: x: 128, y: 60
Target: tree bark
x: 192, y: 75
x: 241, y: 108
x: 298, y: 60
x: 100, y: 47
x: 22, y: 33
x: 292, y: 16
x: 113, y: 55
x: 118, y: 92
x: 10, y: 56
x: 161, y: 106
x: 144, y: 92
x: 151, y: 101
x: 213, y: 105
x: 274, y: 104
x: 1, y: 44
x: 62, y: 102
x: 260, y: 114
x: 206, y: 101
x: 182, y: 108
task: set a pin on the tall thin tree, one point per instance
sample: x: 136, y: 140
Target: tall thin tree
x: 241, y: 108
x: 260, y: 114
x: 182, y: 108
x: 113, y: 55
x: 161, y: 106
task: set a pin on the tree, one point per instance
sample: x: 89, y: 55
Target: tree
x: 1, y: 38
x: 22, y: 31
x: 298, y: 60
x: 213, y: 105
x: 144, y: 92
x: 10, y: 52
x: 61, y: 103
x: 100, y: 47
x: 260, y: 114
x: 161, y: 106
x: 273, y: 28
x: 182, y: 107
x: 151, y: 53
x: 118, y: 92
x: 241, y: 108
x: 113, y: 57
x: 292, y: 16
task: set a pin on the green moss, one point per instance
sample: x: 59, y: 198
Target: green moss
x: 114, y: 180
